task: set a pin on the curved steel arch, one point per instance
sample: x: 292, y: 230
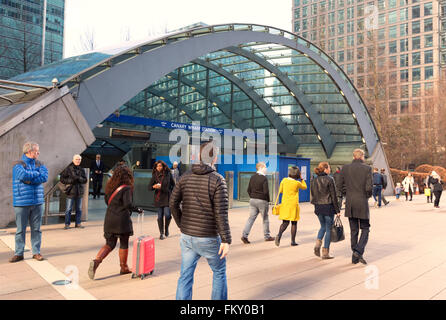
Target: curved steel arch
x: 326, y: 139
x: 103, y: 93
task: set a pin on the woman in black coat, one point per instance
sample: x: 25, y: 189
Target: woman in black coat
x: 74, y: 178
x: 117, y: 224
x: 437, y: 186
x: 163, y: 183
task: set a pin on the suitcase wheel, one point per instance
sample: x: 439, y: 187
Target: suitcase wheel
x: 151, y: 272
x: 134, y: 276
x: 142, y: 277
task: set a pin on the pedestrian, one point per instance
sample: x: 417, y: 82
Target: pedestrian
x: 117, y: 223
x: 162, y: 182
x: 408, y: 184
x: 97, y: 169
x: 398, y: 191
x: 384, y: 176
x: 175, y: 172
x: 74, y: 177
x: 336, y: 177
x: 357, y: 186
x: 289, y: 208
x: 437, y: 185
x: 28, y: 177
x: 428, y: 185
x: 326, y: 205
x: 203, y: 221
x: 377, y: 187
x: 258, y: 192
x: 137, y: 165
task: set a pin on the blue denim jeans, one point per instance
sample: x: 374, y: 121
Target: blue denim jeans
x: 377, y: 190
x: 164, y: 211
x: 192, y: 249
x: 33, y: 214
x: 78, y: 208
x: 257, y: 206
x: 326, y: 224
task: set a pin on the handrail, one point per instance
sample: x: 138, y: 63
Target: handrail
x: 47, y: 202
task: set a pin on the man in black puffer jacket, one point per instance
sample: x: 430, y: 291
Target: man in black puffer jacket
x: 203, y: 221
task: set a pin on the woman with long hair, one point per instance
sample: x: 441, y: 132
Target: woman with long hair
x: 289, y: 208
x: 163, y: 183
x: 324, y: 198
x: 117, y: 223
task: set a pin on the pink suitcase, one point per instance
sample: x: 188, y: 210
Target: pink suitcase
x: 143, y: 254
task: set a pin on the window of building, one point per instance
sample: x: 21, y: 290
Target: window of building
x: 381, y: 4
x: 393, y: 32
x: 392, y: 47
x: 404, y: 29
x: 405, y: 91
x: 416, y: 107
x: 415, y: 43
x: 404, y: 2
x: 392, y: 17
x: 428, y: 56
x: 393, y: 76
x: 381, y: 49
x: 360, y: 10
x: 404, y: 75
x: 416, y: 90
x: 360, y: 67
x: 341, y: 29
x: 331, y: 31
x: 341, y: 56
x: 304, y: 24
x: 428, y: 9
x: 404, y: 60
x: 350, y: 26
x: 393, y: 93
x: 428, y: 88
x: 341, y: 43
x: 428, y: 73
x: 416, y: 58
x: 382, y: 34
x: 415, y: 12
x: 331, y: 44
x: 350, y: 68
x: 350, y: 13
x: 428, y: 25
x: 416, y: 27
x: 404, y: 14
x: 297, y: 13
x: 360, y: 53
x: 382, y: 19
x: 393, y: 107
x: 404, y: 45
x: 360, y: 82
x: 351, y: 40
x: 360, y: 24
x: 392, y: 3
x: 350, y: 55
x: 416, y: 74
x: 331, y: 17
x: 296, y: 3
x: 341, y: 3
x: 360, y: 38
x: 304, y: 12
x: 341, y: 15
x: 314, y: 22
x: 314, y: 9
x: 428, y: 40
x: 392, y: 62
x: 404, y: 107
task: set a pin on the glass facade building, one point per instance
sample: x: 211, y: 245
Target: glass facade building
x: 21, y: 26
x: 402, y: 39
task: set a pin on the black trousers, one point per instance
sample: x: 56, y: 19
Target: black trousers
x: 407, y: 193
x: 358, y: 243
x: 437, y: 195
x: 97, y: 186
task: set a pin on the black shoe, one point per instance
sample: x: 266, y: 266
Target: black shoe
x: 355, y: 260
x: 270, y: 239
x: 79, y: 226
x: 359, y: 257
x: 161, y: 236
x: 245, y: 240
x: 294, y: 244
x: 277, y: 241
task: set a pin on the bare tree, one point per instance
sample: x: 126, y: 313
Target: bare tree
x: 88, y: 40
x: 125, y: 33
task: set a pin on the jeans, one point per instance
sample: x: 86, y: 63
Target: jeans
x: 377, y: 190
x: 192, y: 249
x: 326, y: 224
x: 164, y: 211
x: 355, y: 225
x: 257, y: 206
x: 33, y: 214
x: 78, y: 208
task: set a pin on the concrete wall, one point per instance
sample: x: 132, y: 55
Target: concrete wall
x: 56, y: 124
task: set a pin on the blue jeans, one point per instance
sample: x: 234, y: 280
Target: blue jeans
x: 257, y: 206
x: 192, y: 249
x: 78, y: 208
x: 164, y: 211
x: 377, y: 190
x: 326, y: 224
x: 33, y: 214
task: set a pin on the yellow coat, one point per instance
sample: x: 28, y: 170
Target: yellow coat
x: 289, y: 208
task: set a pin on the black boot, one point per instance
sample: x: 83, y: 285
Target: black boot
x: 161, y: 227
x: 166, y: 227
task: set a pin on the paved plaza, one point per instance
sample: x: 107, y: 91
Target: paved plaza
x: 405, y: 258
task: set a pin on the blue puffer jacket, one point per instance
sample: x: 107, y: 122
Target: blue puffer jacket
x: 27, y: 183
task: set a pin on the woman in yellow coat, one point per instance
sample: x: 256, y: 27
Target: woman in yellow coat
x: 289, y: 208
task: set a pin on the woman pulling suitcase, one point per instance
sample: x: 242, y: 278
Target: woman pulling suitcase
x: 117, y: 223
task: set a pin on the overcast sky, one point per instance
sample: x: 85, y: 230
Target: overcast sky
x: 111, y: 20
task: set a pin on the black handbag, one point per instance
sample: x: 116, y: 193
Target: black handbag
x: 65, y: 188
x: 337, y: 230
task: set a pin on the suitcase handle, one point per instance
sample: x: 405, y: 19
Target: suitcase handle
x: 140, y: 221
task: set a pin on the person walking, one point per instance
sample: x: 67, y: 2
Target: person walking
x: 175, y: 171
x: 162, y: 182
x: 357, y: 186
x: 437, y: 186
x: 377, y: 187
x: 383, y: 174
x: 199, y: 205
x: 117, y: 223
x: 258, y: 191
x: 408, y: 184
x: 28, y: 177
x: 326, y: 205
x: 289, y: 208
x: 97, y: 169
x: 74, y: 177
x: 336, y: 177
x: 428, y: 185
x: 398, y: 191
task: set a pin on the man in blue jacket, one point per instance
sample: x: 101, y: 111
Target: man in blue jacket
x: 28, y: 176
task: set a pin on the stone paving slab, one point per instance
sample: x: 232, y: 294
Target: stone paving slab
x: 405, y: 261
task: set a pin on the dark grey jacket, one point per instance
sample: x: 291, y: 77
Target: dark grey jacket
x: 323, y: 191
x: 204, y: 197
x: 75, y: 177
x: 357, y: 185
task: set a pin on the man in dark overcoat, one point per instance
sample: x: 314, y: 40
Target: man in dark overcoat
x: 357, y: 186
